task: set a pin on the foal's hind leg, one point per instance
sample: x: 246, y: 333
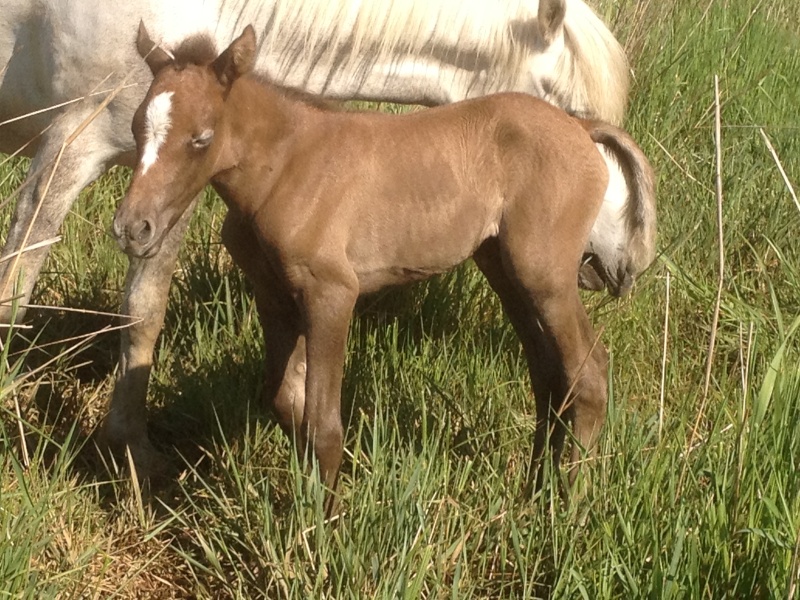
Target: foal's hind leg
x: 567, y: 364
x: 578, y: 389
x: 542, y: 367
x: 591, y: 401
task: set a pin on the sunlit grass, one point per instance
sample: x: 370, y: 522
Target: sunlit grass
x: 436, y: 401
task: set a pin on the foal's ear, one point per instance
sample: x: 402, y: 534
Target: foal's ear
x: 237, y: 59
x: 551, y: 18
x: 152, y: 54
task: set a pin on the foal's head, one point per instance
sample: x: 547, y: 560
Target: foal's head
x: 179, y: 135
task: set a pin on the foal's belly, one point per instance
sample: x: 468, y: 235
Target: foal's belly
x: 405, y: 241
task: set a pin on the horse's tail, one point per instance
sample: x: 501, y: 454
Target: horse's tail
x: 622, y: 241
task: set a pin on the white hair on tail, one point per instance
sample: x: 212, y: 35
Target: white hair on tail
x: 610, y: 231
x: 157, y: 122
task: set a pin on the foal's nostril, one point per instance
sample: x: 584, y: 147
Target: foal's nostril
x: 141, y: 232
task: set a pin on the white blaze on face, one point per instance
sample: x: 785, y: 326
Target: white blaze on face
x: 156, y: 126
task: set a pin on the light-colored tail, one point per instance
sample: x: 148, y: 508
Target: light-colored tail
x: 622, y: 242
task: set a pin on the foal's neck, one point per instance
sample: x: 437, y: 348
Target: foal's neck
x: 263, y: 124
x: 262, y: 112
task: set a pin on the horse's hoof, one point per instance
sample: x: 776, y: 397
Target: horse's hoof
x: 137, y: 457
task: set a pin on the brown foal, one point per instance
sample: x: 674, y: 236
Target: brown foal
x: 326, y: 205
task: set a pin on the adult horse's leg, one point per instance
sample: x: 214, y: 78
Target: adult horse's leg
x: 145, y: 302
x: 56, y: 176
x: 146, y: 295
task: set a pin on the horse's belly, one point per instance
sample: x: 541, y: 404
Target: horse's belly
x: 407, y: 243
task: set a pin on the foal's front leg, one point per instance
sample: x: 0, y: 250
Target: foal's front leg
x: 327, y: 307
x: 281, y: 323
x: 284, y: 369
x: 305, y: 342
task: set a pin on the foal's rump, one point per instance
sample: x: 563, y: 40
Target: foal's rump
x: 450, y: 176
x: 622, y: 241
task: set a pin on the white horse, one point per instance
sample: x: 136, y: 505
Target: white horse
x: 71, y: 66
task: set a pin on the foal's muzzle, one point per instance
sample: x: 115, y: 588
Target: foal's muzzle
x: 136, y: 236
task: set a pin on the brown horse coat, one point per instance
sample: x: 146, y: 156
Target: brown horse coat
x: 327, y: 205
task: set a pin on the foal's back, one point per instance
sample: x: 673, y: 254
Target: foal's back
x: 408, y: 196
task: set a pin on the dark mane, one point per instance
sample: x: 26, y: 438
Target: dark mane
x: 196, y: 50
x: 307, y: 98
x: 200, y: 50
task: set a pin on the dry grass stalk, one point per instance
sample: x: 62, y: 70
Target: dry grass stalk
x: 721, y: 247
x: 720, y: 282
x: 780, y: 167
x: 664, y: 362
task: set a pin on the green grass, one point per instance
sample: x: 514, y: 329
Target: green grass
x: 439, y: 417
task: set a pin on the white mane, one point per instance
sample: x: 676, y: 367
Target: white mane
x: 386, y: 28
x: 494, y: 38
x: 600, y: 72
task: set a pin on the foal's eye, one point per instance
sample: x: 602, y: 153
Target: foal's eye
x: 203, y: 139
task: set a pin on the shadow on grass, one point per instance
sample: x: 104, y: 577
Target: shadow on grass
x: 198, y: 407
x: 205, y: 417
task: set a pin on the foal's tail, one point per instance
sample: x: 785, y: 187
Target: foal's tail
x: 622, y: 242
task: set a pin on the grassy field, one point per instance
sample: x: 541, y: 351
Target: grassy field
x: 695, y: 493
